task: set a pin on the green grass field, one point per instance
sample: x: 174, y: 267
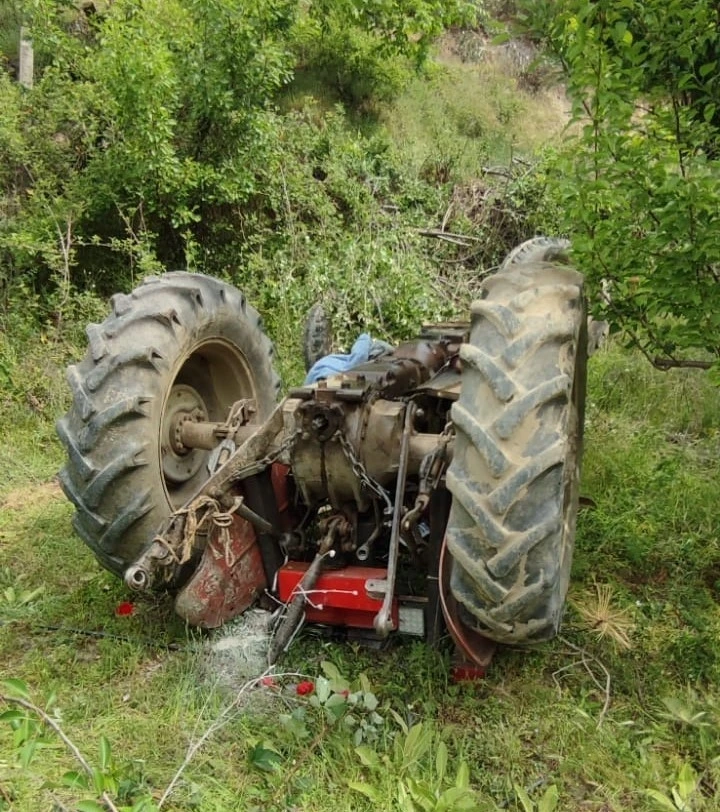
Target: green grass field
x: 584, y: 723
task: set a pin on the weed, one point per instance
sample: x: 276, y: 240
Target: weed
x: 603, y: 619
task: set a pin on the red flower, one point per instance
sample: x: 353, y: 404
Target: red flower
x: 344, y: 694
x: 303, y: 688
x: 125, y: 608
x: 268, y: 682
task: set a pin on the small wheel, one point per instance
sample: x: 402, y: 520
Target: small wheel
x: 180, y: 347
x: 515, y: 471
x: 317, y: 336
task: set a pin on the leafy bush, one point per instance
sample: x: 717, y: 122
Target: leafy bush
x: 336, y: 224
x: 150, y: 140
x: 637, y: 183
x: 369, y: 49
x: 136, y: 131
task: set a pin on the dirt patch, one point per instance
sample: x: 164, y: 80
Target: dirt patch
x: 20, y: 498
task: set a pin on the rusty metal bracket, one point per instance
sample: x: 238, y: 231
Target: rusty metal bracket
x: 160, y: 559
x: 383, y: 621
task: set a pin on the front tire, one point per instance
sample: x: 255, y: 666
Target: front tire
x: 515, y: 471
x: 179, y: 343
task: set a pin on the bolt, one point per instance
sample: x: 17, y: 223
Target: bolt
x: 319, y: 423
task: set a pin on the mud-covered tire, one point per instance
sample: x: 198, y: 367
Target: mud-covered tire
x: 515, y: 471
x: 180, y: 335
x: 538, y: 249
x: 317, y: 336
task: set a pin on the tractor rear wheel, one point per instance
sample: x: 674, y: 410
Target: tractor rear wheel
x: 516, y: 464
x: 179, y: 345
x: 538, y: 249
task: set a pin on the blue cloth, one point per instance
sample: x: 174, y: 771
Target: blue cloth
x: 362, y: 350
x: 332, y: 364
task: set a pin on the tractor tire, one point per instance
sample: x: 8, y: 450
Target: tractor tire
x: 537, y: 249
x: 516, y: 465
x: 317, y: 336
x: 179, y: 343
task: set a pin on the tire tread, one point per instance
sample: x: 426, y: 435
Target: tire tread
x: 509, y: 544
x: 110, y: 434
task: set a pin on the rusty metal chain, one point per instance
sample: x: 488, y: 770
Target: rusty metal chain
x: 361, y: 473
x: 265, y: 462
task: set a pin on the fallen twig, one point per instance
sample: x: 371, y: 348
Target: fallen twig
x: 584, y: 656
x: 449, y: 236
x: 556, y: 674
x: 225, y: 716
x: 500, y: 172
x: 671, y: 363
x: 71, y: 746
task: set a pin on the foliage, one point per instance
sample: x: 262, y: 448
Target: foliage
x: 33, y: 729
x: 144, y: 121
x: 336, y: 701
x: 150, y: 138
x: 416, y: 769
x: 338, y: 225
x: 547, y: 803
x: 637, y: 184
x: 10, y: 22
x: 681, y: 794
x: 369, y: 49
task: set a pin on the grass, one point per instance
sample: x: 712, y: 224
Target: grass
x: 472, y: 112
x: 649, y: 548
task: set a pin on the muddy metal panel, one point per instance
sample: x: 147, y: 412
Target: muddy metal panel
x: 229, y: 579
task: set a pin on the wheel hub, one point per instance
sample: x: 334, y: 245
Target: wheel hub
x: 180, y: 463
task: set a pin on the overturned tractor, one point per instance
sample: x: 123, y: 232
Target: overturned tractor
x: 434, y: 486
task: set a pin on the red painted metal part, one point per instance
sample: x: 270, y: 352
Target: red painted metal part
x: 464, y: 671
x: 226, y: 582
x: 475, y: 651
x: 340, y: 597
x: 279, y: 476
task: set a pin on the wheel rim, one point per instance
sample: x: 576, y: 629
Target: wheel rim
x: 210, y: 378
x: 180, y: 464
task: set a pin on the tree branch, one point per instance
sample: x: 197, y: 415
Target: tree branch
x: 671, y: 363
x: 456, y: 239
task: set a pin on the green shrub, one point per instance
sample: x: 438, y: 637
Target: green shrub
x: 637, y: 184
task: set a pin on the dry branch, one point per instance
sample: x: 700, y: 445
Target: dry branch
x: 671, y: 363
x: 71, y: 746
x: 456, y: 239
x: 585, y: 656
